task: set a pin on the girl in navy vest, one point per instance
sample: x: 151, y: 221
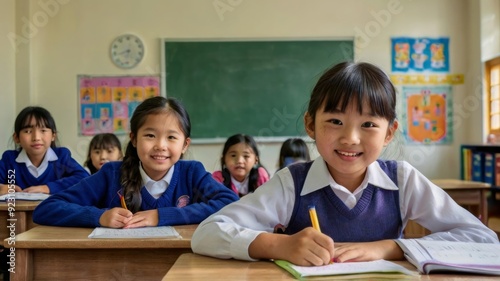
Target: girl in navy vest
x: 37, y: 165
x: 363, y: 204
x: 157, y: 187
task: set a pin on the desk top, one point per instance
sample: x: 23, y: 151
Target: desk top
x: 53, y: 237
x: 193, y: 267
x: 21, y: 205
x: 460, y: 184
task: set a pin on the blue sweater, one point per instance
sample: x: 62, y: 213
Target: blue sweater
x: 59, y: 175
x: 192, y: 195
x: 375, y: 217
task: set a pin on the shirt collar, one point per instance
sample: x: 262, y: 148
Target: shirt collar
x: 50, y: 155
x: 319, y: 177
x: 146, y: 179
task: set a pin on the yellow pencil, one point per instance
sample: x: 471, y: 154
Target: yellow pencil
x: 122, y: 201
x: 314, y: 218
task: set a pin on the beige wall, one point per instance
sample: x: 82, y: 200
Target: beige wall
x: 71, y: 37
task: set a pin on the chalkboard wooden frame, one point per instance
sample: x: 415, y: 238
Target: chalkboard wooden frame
x: 252, y: 86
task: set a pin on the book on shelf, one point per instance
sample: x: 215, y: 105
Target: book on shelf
x: 441, y: 256
x: 489, y: 168
x: 350, y: 270
x: 477, y: 166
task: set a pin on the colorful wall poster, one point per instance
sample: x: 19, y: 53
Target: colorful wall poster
x: 421, y: 54
x: 106, y: 103
x: 427, y: 114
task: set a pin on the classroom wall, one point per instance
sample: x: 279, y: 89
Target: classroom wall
x: 66, y: 41
x: 7, y: 73
x: 490, y: 31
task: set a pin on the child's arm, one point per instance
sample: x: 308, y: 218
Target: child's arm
x: 368, y: 251
x: 310, y: 247
x: 37, y: 189
x: 115, y: 218
x: 431, y: 207
x: 69, y: 172
x: 4, y: 189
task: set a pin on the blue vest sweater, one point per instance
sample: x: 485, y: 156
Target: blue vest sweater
x: 59, y: 175
x: 376, y: 216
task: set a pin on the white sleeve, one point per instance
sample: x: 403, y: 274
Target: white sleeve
x: 431, y: 207
x: 229, y: 232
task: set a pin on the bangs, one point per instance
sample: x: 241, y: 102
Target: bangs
x: 40, y: 121
x: 361, y: 87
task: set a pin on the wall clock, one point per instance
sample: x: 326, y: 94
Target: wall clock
x: 127, y: 51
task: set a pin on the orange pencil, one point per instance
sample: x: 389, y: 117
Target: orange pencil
x: 124, y: 205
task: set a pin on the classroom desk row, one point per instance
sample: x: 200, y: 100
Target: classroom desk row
x: 65, y: 253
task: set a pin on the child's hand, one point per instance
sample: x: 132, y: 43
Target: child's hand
x: 115, y: 218
x: 368, y: 251
x: 4, y: 189
x: 37, y: 189
x: 307, y: 247
x: 144, y: 218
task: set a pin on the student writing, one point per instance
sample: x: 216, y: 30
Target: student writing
x: 37, y: 164
x: 363, y: 203
x: 241, y: 168
x: 293, y: 150
x: 103, y: 148
x: 159, y: 189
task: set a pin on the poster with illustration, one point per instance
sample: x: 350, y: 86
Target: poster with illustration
x: 427, y: 117
x: 106, y: 103
x: 420, y: 54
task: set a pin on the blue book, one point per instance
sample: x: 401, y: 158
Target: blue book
x: 489, y: 168
x: 477, y: 166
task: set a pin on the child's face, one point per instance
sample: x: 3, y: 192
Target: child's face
x: 35, y: 140
x: 239, y: 160
x: 349, y: 141
x: 101, y: 156
x: 160, y: 143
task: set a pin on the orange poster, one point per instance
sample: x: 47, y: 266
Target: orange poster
x: 427, y: 115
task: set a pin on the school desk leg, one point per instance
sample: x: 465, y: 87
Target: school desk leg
x: 24, y: 266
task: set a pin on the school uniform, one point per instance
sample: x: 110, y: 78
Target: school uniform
x: 58, y: 169
x: 402, y: 189
x: 242, y: 187
x: 186, y: 195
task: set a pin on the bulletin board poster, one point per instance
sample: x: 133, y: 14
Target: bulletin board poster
x: 106, y: 103
x: 421, y: 54
x: 427, y: 117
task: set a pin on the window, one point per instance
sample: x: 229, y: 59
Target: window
x: 493, y: 91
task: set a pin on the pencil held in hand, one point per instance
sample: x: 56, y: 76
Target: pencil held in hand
x: 122, y: 199
x: 314, y: 218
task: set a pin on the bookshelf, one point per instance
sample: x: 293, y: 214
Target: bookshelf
x: 481, y: 162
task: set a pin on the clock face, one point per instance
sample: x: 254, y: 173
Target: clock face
x: 127, y: 51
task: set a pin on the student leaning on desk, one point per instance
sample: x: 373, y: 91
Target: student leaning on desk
x: 362, y: 203
x: 38, y: 165
x: 157, y: 187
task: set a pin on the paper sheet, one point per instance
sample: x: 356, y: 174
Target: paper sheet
x: 143, y: 232
x: 24, y: 196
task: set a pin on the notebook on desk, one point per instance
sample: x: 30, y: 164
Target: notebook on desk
x: 141, y: 232
x: 438, y: 256
x: 24, y: 196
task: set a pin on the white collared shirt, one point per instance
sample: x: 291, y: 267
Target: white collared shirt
x: 156, y: 188
x: 50, y: 155
x: 229, y: 232
x: 242, y: 187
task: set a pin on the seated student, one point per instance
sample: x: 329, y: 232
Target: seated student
x: 293, y: 150
x: 363, y: 203
x: 241, y: 169
x: 37, y: 165
x: 103, y: 148
x: 156, y: 187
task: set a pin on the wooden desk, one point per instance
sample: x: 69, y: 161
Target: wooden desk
x: 193, y: 267
x: 66, y: 253
x: 468, y: 194
x: 23, y: 214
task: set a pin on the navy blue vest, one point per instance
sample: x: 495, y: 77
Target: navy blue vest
x: 376, y: 216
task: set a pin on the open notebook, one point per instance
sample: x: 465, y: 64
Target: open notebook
x: 371, y: 269
x: 24, y: 196
x: 437, y: 256
x: 141, y: 232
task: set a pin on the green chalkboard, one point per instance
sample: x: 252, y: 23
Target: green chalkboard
x: 260, y: 88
